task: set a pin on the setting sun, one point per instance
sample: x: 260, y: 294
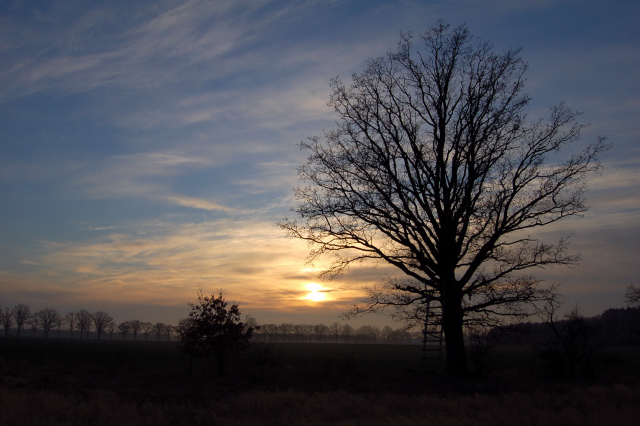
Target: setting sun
x: 316, y: 293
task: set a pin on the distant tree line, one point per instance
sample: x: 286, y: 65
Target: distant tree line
x: 334, y: 333
x: 82, y: 323
x: 614, y: 327
x: 19, y: 320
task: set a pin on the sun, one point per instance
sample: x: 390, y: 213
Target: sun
x: 317, y: 293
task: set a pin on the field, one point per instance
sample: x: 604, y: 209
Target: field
x: 51, y: 381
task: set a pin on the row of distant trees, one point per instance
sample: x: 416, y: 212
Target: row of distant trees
x: 100, y: 323
x: 47, y: 322
x: 334, y: 333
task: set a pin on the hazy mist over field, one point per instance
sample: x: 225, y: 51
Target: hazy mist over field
x: 149, y: 148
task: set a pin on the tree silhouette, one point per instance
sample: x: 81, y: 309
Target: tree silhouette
x: 72, y: 319
x: 146, y: 329
x: 124, y: 328
x: 136, y: 325
x: 7, y: 320
x: 435, y: 170
x: 84, y: 321
x: 632, y: 296
x: 158, y: 329
x: 213, y: 329
x: 101, y: 321
x: 48, y: 318
x: 21, y: 314
x: 33, y: 322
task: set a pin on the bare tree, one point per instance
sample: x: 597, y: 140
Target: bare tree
x: 7, y: 320
x: 146, y: 329
x: 124, y: 328
x: 111, y: 328
x: 632, y: 296
x: 249, y: 322
x: 387, y: 334
x: 21, y: 313
x: 334, y: 330
x: 169, y: 330
x: 299, y: 332
x: 101, y: 321
x: 286, y: 329
x: 33, y: 322
x: 85, y: 321
x: 347, y: 332
x: 136, y: 325
x: 320, y: 331
x: 58, y: 324
x: 48, y: 318
x: 71, y: 319
x: 435, y: 170
x: 158, y: 329
x: 574, y: 339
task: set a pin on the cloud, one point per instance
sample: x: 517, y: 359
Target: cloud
x: 252, y: 260
x: 198, y: 203
x: 133, y: 175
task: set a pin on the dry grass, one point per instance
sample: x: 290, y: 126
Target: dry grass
x: 90, y: 383
x: 594, y: 405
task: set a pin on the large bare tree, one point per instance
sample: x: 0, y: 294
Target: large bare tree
x: 435, y: 169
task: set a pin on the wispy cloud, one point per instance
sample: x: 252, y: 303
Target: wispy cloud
x: 133, y: 175
x: 253, y: 261
x: 199, y: 203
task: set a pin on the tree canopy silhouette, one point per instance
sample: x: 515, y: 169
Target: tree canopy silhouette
x: 435, y: 169
x: 213, y: 329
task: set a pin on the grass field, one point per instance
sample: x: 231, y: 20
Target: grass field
x: 51, y: 381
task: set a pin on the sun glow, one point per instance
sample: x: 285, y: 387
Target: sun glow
x: 317, y: 293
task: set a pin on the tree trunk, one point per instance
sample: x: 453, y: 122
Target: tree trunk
x: 452, y: 323
x: 221, y: 366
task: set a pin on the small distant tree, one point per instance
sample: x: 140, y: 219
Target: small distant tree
x: 85, y: 321
x: 249, y: 322
x: 48, y: 318
x: 632, y: 296
x: 387, y: 334
x: 285, y: 329
x: 59, y: 323
x: 574, y: 339
x: 146, y: 329
x: 169, y: 330
x: 21, y: 313
x: 320, y: 331
x: 124, y: 328
x: 347, y: 332
x: 136, y: 325
x: 111, y: 328
x: 158, y: 329
x: 334, y: 330
x: 101, y: 321
x: 33, y: 322
x: 214, y: 329
x: 71, y: 319
x: 481, y: 337
x: 7, y: 320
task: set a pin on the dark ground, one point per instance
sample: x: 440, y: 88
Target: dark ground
x: 151, y: 381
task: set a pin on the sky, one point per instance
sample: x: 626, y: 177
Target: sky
x: 148, y: 148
